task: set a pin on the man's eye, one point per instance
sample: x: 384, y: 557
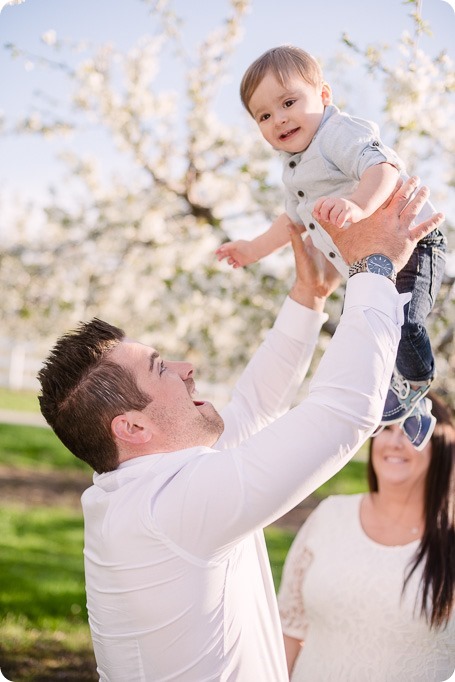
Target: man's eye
x: 162, y: 367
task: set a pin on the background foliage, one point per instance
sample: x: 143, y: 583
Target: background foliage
x: 138, y: 248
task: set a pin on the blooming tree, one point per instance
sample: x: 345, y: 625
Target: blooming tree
x: 137, y: 247
x: 139, y: 250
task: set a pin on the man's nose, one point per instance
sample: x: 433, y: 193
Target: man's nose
x: 184, y: 369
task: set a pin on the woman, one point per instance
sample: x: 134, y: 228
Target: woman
x: 368, y: 586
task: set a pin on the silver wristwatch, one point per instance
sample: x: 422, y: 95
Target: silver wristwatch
x: 377, y: 263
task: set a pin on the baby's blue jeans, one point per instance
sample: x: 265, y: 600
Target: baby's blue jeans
x: 422, y: 276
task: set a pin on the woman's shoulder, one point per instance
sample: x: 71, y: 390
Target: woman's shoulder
x: 333, y: 511
x: 339, y: 504
x: 335, y: 517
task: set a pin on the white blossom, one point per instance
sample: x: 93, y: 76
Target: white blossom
x: 49, y: 37
x: 4, y: 3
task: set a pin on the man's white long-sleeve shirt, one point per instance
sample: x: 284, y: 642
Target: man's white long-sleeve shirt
x: 178, y: 580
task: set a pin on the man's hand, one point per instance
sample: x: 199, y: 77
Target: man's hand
x: 316, y: 278
x: 387, y: 230
x: 337, y: 211
x: 238, y: 253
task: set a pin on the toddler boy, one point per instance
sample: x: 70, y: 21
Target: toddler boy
x: 336, y: 169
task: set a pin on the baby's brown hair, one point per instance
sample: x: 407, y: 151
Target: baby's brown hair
x: 282, y: 62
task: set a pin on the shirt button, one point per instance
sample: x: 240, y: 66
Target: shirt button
x: 332, y: 255
x: 300, y: 193
x: 375, y: 143
x: 311, y: 226
x: 292, y: 164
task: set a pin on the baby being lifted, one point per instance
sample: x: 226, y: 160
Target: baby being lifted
x: 336, y: 169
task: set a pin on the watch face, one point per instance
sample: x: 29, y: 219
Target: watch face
x: 380, y: 265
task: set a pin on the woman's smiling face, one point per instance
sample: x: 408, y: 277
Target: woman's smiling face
x: 396, y: 460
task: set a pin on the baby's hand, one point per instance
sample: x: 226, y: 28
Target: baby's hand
x: 238, y: 253
x: 337, y: 211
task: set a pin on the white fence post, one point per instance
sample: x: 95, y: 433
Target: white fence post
x: 16, y: 367
x: 19, y: 364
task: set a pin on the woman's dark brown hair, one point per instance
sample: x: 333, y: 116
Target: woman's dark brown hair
x: 436, y: 551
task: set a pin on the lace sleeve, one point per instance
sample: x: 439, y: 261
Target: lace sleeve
x: 290, y: 598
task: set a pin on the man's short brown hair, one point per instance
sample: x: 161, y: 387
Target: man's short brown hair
x: 82, y: 390
x: 283, y: 62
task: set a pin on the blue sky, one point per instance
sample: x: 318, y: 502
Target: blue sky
x: 27, y: 166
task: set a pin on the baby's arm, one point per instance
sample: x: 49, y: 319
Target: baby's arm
x: 244, y: 252
x: 375, y: 185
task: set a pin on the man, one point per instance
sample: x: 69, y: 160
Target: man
x: 178, y: 581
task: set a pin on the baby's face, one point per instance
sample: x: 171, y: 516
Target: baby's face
x: 288, y: 116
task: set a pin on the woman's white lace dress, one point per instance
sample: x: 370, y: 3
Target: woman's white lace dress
x: 342, y: 593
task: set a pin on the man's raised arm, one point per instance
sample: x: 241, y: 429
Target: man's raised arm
x: 267, y: 387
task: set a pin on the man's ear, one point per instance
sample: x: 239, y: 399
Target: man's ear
x: 131, y: 427
x: 326, y: 94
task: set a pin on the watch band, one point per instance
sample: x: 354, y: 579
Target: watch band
x: 362, y: 265
x: 358, y: 266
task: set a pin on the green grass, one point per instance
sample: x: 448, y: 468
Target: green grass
x: 45, y: 656
x: 24, y: 401
x: 41, y: 565
x: 43, y: 617
x: 351, y: 479
x: 278, y: 542
x: 35, y: 447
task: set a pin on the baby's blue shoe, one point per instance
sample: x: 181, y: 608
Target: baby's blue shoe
x: 402, y: 398
x: 419, y: 426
